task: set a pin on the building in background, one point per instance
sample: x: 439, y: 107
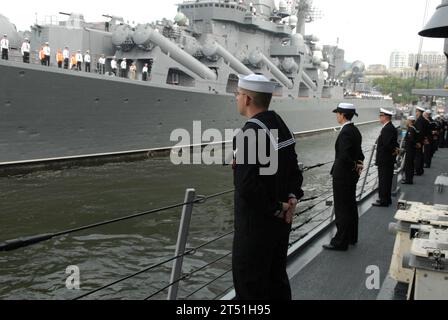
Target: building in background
x: 376, y: 71
x: 430, y: 73
x: 398, y: 60
x: 426, y: 58
x: 431, y: 65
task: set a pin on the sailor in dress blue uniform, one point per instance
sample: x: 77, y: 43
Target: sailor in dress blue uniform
x: 386, y: 156
x: 422, y: 127
x: 264, y: 203
x: 410, y: 147
x: 346, y: 170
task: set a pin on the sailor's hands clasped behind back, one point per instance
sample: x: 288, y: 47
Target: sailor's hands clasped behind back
x: 359, y: 167
x: 289, y: 210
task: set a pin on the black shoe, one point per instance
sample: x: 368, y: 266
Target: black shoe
x: 334, y: 248
x: 379, y: 204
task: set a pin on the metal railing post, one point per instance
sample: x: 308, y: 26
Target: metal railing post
x: 184, y: 227
x: 398, y: 176
x: 367, y: 173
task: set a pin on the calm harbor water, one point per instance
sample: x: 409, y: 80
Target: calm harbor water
x: 45, y: 202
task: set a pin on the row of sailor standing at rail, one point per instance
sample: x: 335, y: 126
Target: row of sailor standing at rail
x: 266, y: 201
x: 425, y: 135
x: 75, y: 61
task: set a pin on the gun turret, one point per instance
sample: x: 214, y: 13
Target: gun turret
x: 122, y: 37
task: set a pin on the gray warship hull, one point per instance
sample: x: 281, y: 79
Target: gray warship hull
x: 48, y: 113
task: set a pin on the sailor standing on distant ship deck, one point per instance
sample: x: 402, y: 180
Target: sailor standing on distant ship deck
x: 411, y: 140
x: 113, y: 65
x: 66, y: 55
x: 79, y: 60
x: 102, y: 64
x: 25, y: 50
x: 87, y: 60
x: 145, y: 72
x: 346, y: 170
x: 42, y: 56
x: 4, y: 45
x: 386, y: 155
x: 73, y: 62
x: 265, y: 202
x: 133, y: 71
x: 47, y: 54
x: 59, y: 58
x: 123, y: 67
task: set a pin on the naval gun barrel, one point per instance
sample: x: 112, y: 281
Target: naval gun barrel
x: 308, y: 81
x: 64, y: 13
x: 181, y: 56
x: 277, y: 73
x: 257, y: 57
x: 107, y: 16
x: 214, y: 48
x: 122, y: 36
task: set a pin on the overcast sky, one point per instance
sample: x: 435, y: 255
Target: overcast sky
x: 368, y: 30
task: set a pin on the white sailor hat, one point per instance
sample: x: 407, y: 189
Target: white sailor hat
x: 5, y: 35
x: 256, y: 83
x: 386, y: 112
x: 428, y: 111
x: 412, y: 118
x: 421, y: 109
x: 345, y: 108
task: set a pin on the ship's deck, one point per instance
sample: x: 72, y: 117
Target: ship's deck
x: 318, y: 274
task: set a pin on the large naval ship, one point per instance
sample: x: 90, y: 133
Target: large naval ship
x: 194, y: 63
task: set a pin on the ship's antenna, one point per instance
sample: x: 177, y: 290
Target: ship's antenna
x: 306, y: 13
x: 417, y: 65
